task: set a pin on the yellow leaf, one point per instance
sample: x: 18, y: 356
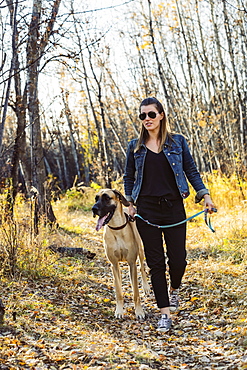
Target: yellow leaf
x: 194, y: 299
x: 202, y: 123
x: 145, y: 45
x: 210, y: 327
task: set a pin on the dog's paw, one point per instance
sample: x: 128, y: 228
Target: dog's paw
x: 140, y: 314
x: 119, y: 313
x: 146, y: 289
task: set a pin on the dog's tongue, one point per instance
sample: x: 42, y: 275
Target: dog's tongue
x: 100, y: 222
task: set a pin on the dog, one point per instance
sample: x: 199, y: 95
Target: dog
x: 122, y: 242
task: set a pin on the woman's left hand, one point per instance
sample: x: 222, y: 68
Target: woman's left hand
x: 208, y: 203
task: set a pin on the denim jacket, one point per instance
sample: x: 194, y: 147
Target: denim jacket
x: 179, y: 157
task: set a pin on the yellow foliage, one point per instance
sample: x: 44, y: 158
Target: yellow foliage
x: 194, y: 299
x: 161, y: 6
x: 202, y: 123
x: 145, y: 45
x: 227, y: 192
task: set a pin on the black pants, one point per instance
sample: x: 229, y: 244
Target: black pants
x: 159, y: 211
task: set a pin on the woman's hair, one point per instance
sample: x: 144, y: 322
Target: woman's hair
x: 163, y: 132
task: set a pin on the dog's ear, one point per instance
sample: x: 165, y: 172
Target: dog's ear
x: 121, y: 198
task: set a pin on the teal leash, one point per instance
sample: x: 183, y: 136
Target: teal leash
x: 206, y: 219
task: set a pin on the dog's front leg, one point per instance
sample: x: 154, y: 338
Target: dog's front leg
x: 118, y: 290
x: 133, y: 277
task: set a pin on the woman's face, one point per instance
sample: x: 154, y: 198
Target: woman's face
x: 152, y: 123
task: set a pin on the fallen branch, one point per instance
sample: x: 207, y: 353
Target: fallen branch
x: 2, y: 311
x: 71, y: 252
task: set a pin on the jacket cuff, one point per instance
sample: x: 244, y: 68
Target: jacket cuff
x: 129, y: 198
x: 200, y: 194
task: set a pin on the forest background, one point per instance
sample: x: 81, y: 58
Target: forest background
x: 72, y: 76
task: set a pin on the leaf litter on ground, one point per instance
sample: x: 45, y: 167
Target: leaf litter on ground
x: 65, y: 320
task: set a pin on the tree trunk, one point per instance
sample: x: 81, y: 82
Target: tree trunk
x: 72, y: 140
x: 20, y: 111
x: 13, y: 23
x: 35, y: 49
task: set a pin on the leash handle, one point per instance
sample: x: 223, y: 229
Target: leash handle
x: 212, y: 209
x: 207, y: 219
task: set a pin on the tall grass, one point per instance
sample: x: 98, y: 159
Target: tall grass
x: 226, y: 192
x: 22, y: 252
x: 229, y: 195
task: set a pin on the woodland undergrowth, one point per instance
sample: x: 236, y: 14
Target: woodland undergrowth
x: 59, y: 310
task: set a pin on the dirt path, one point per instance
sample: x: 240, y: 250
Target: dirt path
x: 66, y: 321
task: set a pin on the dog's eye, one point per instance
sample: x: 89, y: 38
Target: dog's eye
x: 106, y: 197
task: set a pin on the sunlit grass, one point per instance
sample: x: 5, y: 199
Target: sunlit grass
x: 226, y: 192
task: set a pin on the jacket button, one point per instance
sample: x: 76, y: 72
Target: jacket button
x: 168, y: 154
x: 173, y: 164
x: 176, y: 174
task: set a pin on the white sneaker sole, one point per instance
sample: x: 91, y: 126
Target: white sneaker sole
x: 163, y: 330
x: 173, y: 309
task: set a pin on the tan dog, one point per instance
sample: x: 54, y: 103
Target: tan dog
x: 122, y: 243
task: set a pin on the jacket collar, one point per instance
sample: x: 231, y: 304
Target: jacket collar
x: 168, y: 143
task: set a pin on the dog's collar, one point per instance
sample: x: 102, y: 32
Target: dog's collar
x: 128, y: 219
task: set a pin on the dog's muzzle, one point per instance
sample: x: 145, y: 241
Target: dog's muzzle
x: 104, y: 217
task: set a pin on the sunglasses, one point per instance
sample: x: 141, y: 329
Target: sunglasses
x: 151, y: 114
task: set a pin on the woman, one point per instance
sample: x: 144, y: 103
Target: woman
x: 155, y: 182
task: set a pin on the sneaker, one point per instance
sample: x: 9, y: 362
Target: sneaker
x: 164, y: 323
x: 174, y: 298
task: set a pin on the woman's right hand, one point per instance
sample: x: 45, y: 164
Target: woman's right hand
x: 132, y: 210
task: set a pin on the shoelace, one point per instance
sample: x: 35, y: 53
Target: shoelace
x: 164, y: 321
x: 174, y: 299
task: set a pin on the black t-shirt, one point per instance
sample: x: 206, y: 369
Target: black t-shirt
x: 158, y: 177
